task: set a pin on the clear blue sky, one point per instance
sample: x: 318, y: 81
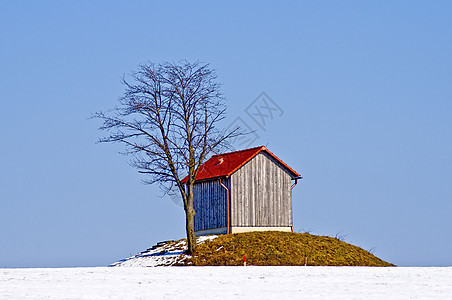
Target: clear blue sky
x: 365, y: 89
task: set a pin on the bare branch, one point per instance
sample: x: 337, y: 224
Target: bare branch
x: 167, y: 121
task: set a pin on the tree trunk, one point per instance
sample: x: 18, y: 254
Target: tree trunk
x: 190, y: 222
x: 190, y: 227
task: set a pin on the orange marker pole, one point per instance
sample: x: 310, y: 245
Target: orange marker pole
x: 244, y: 260
x: 305, y: 261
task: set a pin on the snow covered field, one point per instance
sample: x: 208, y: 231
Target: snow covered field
x: 227, y: 283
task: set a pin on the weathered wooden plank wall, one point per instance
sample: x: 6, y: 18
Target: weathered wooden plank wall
x: 209, y: 202
x: 261, y: 194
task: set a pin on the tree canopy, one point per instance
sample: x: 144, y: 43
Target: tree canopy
x: 167, y: 121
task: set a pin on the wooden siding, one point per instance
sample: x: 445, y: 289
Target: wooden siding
x: 209, y: 202
x: 261, y: 194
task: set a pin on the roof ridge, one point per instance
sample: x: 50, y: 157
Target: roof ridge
x: 233, y: 152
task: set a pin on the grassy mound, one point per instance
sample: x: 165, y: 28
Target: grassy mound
x: 274, y: 248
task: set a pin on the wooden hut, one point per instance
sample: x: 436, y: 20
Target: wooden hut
x: 247, y: 190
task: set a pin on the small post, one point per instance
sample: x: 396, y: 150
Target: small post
x: 244, y: 260
x: 305, y: 261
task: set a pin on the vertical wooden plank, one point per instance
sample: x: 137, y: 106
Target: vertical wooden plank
x: 201, y: 198
x: 195, y: 206
x: 263, y: 186
x: 289, y: 197
x: 286, y: 190
x: 270, y: 200
x: 244, y: 206
x: 224, y: 201
x: 205, y: 205
x: 217, y: 213
x: 246, y: 201
x: 267, y: 192
x: 236, y: 207
x: 276, y: 195
x: 254, y: 207
x: 250, y: 190
x: 257, y: 188
x: 232, y: 195
x: 212, y: 206
x: 284, y: 207
x: 205, y: 196
x: 217, y: 204
x: 273, y: 199
x: 282, y: 199
x: 282, y: 189
x: 240, y: 198
x: 248, y: 204
x: 257, y: 185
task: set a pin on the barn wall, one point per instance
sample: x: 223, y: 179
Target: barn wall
x: 261, y: 194
x: 209, y: 202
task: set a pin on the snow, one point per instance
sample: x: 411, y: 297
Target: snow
x: 251, y: 282
x: 204, y: 238
x: 227, y: 283
x: 162, y: 254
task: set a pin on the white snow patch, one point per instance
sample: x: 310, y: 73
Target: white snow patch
x: 205, y: 238
x: 162, y: 254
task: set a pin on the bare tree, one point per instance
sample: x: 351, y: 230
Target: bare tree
x: 167, y: 121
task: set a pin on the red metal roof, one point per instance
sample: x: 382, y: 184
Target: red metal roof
x: 225, y: 164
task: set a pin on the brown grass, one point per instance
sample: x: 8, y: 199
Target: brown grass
x: 273, y: 248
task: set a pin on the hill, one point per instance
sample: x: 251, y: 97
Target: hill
x: 270, y: 248
x: 274, y: 248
